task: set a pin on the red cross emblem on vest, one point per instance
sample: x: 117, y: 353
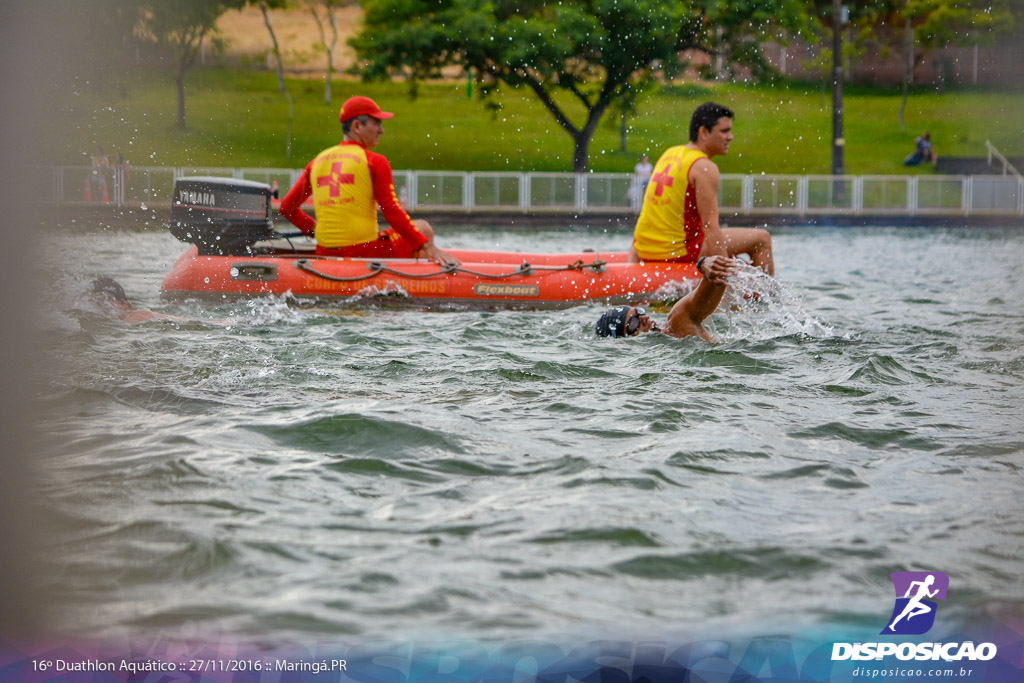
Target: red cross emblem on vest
x: 662, y: 179
x: 335, y: 179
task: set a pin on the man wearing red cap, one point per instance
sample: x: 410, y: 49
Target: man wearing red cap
x: 347, y: 182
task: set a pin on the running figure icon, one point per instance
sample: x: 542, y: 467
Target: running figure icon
x: 915, y: 606
x: 916, y: 593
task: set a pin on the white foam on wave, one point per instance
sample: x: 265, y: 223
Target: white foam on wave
x: 262, y: 310
x: 48, y: 321
x: 758, y: 306
x: 389, y: 289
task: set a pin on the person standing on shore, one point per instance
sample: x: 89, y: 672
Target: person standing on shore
x: 98, y: 176
x: 122, y: 167
x: 679, y: 218
x: 348, y: 182
x: 643, y: 171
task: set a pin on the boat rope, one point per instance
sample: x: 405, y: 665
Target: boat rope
x: 376, y: 268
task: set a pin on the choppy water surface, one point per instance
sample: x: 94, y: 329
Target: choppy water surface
x: 272, y: 470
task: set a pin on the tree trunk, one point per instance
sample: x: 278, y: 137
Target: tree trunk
x: 580, y: 136
x: 291, y: 118
x: 327, y: 85
x: 330, y: 52
x: 280, y: 79
x: 179, y: 81
x: 908, y: 70
x: 622, y: 130
x: 328, y: 48
x: 838, y: 140
x: 581, y: 152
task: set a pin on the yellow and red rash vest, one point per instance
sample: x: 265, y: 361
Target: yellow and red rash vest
x: 346, y: 212
x: 347, y: 182
x: 669, y: 226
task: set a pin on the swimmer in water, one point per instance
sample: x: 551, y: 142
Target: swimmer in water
x: 110, y: 292
x: 915, y: 607
x: 687, y: 317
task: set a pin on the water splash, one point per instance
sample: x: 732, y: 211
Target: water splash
x: 670, y: 292
x: 391, y: 289
x: 759, y: 306
x: 755, y: 306
x: 265, y: 310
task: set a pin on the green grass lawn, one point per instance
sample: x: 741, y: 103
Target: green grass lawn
x: 237, y: 118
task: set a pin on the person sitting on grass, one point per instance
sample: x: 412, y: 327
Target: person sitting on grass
x: 687, y: 316
x: 923, y: 151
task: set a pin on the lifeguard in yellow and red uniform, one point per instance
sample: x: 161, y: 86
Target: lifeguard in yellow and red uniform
x: 669, y: 227
x: 348, y: 182
x: 679, y: 218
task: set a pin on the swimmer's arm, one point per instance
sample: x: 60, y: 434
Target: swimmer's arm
x: 139, y: 315
x: 705, y: 178
x: 686, y: 317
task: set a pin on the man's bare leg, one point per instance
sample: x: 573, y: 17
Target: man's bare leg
x: 430, y: 250
x: 425, y: 228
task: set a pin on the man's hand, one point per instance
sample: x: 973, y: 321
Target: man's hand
x: 431, y: 252
x: 718, y: 269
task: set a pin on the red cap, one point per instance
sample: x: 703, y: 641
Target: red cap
x: 357, y: 106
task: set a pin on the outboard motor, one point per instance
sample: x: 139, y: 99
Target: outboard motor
x: 221, y: 216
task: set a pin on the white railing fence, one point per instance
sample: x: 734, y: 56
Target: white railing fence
x: 578, y: 193
x: 1007, y: 166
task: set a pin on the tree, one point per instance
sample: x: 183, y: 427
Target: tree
x: 586, y: 51
x: 265, y: 6
x: 912, y: 27
x: 629, y: 102
x: 97, y: 44
x: 934, y: 24
x: 328, y: 47
x: 181, y: 25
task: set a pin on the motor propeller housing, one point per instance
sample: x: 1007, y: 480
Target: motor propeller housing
x: 221, y: 216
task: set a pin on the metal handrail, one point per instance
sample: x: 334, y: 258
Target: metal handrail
x: 743, y: 194
x: 1007, y: 166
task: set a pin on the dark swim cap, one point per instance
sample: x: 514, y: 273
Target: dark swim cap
x: 110, y: 287
x: 613, y: 323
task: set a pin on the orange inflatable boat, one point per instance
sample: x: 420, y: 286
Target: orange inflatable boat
x: 236, y: 253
